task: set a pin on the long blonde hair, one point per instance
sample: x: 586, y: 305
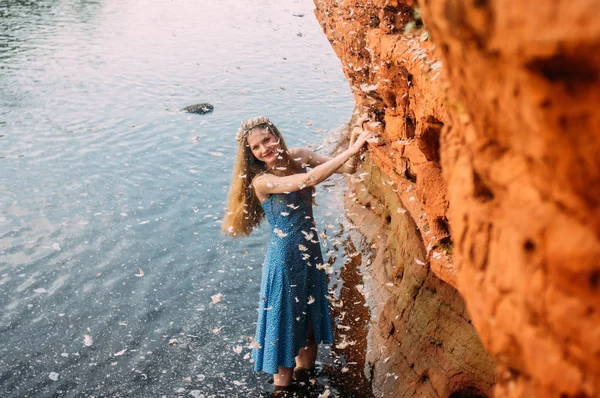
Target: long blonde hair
x: 244, y: 212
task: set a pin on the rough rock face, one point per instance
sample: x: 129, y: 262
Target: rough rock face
x: 421, y: 341
x: 490, y: 141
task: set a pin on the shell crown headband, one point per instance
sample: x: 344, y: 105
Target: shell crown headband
x: 249, y: 125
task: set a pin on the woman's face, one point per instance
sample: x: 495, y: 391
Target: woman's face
x: 264, y: 146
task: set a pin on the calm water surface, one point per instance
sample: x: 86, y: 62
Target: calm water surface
x: 111, y: 198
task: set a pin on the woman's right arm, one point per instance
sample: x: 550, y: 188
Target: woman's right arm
x: 267, y: 184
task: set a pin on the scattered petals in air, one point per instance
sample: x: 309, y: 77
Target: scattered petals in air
x: 285, y: 213
x: 141, y: 272
x: 88, y: 340
x: 302, y: 248
x: 53, y: 376
x: 56, y: 246
x: 419, y: 261
x: 216, y: 154
x: 216, y: 330
x: 173, y: 342
x: 216, y: 298
x: 40, y: 290
x: 311, y: 299
x: 237, y: 349
x: 291, y: 206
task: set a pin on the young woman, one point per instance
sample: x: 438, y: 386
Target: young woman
x: 270, y: 180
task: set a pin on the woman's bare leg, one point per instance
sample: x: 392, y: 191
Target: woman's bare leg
x: 283, y: 377
x: 308, y: 355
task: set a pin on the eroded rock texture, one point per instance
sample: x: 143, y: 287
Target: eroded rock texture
x: 490, y: 141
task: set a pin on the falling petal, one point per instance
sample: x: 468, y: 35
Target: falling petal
x: 279, y: 233
x: 216, y: 154
x: 325, y: 394
x: 307, y: 235
x: 311, y: 299
x: 87, y: 340
x: 141, y: 272
x: 53, y: 376
x: 419, y: 261
x: 118, y: 354
x: 237, y: 349
x: 254, y: 344
x: 216, y: 298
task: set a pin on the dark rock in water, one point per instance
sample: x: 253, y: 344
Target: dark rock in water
x: 199, y: 108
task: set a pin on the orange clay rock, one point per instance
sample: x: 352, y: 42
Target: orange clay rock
x: 490, y: 142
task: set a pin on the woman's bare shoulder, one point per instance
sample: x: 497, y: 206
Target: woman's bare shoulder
x: 259, y: 183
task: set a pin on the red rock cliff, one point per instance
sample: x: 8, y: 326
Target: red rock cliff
x: 488, y: 173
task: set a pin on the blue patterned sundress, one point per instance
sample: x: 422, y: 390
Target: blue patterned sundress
x: 290, y: 281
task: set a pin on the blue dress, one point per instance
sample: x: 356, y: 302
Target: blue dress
x: 293, y: 289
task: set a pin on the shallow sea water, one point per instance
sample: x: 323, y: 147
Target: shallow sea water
x: 111, y: 197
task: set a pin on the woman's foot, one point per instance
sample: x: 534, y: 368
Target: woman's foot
x: 305, y: 378
x: 283, y: 392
